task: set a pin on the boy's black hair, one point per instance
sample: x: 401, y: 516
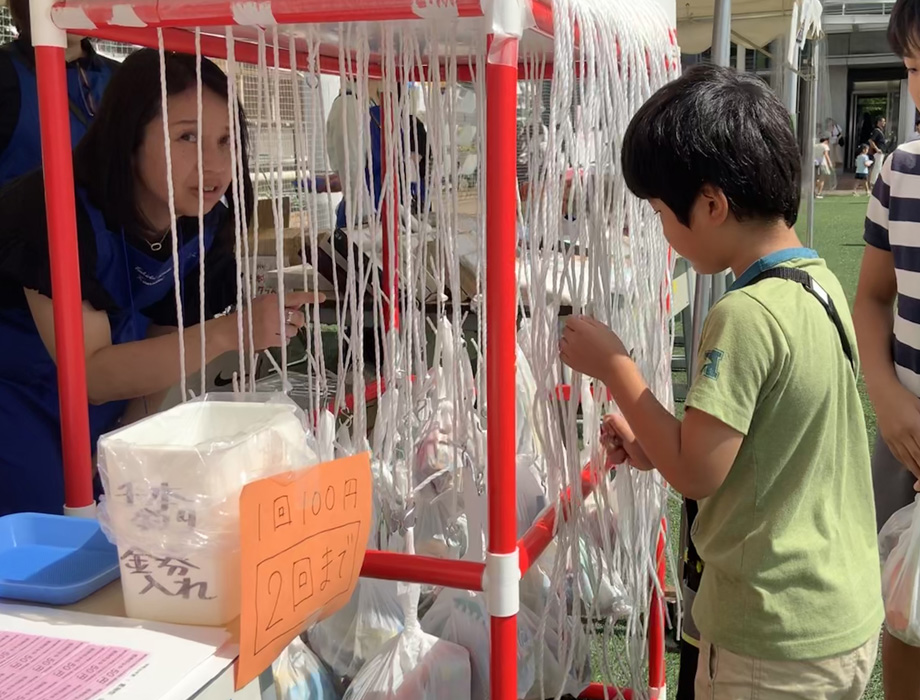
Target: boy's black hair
x: 904, y: 28
x: 863, y: 147
x: 713, y: 126
x: 825, y: 139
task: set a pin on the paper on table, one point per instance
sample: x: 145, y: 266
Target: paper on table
x: 34, y: 667
x: 168, y: 653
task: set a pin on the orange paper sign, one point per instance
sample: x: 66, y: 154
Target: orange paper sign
x: 303, y: 536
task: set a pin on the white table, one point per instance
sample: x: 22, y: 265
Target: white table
x: 211, y: 680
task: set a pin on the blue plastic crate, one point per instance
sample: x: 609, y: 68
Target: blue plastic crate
x: 53, y: 558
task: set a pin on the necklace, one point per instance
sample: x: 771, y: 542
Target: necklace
x: 155, y: 246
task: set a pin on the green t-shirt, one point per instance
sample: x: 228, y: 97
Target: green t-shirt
x: 788, y: 541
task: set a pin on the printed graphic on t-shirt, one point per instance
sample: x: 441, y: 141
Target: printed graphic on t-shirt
x: 711, y: 366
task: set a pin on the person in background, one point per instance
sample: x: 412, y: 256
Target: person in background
x: 863, y: 163
x: 833, y: 131
x: 773, y: 441
x: 823, y: 166
x: 354, y: 171
x: 887, y: 314
x: 88, y: 73
x: 125, y: 240
x: 878, y: 143
x: 342, y: 127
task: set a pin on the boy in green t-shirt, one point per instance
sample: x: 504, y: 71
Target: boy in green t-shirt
x: 773, y: 443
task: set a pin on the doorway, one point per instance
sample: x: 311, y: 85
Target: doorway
x: 872, y: 93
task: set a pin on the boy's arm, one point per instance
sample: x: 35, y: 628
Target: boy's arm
x: 897, y: 409
x: 873, y: 317
x: 693, y: 455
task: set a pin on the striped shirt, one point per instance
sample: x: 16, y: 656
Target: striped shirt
x: 893, y: 224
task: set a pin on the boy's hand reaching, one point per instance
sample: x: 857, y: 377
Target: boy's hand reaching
x: 588, y: 346
x: 620, y: 442
x: 899, y: 423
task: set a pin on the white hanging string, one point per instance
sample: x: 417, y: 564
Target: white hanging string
x: 314, y: 163
x: 241, y: 236
x: 276, y: 181
x: 201, y: 250
x: 173, y: 226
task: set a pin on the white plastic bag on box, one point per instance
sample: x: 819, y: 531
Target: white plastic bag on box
x: 414, y: 665
x: 172, y: 485
x: 561, y: 654
x: 350, y: 637
x: 901, y: 578
x: 300, y: 675
x: 461, y: 617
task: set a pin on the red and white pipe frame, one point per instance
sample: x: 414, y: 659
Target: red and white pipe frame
x: 507, y: 558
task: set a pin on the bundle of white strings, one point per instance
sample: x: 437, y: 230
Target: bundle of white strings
x: 615, y: 268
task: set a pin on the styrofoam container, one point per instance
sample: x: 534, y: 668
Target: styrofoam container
x: 172, y: 484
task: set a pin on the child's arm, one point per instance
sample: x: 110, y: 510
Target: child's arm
x: 897, y: 409
x: 694, y: 455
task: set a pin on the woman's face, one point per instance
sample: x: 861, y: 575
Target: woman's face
x: 150, y: 162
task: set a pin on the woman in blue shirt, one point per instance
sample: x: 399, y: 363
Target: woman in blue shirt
x: 126, y: 266
x: 87, y: 76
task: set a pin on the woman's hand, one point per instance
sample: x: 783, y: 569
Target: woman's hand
x: 589, y: 347
x: 620, y: 442
x: 266, y: 326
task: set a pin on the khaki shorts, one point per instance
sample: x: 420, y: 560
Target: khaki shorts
x: 722, y: 675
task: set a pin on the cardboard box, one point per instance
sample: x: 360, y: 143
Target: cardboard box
x: 266, y: 213
x: 291, y: 244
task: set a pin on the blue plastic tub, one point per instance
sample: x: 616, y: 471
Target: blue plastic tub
x: 53, y: 558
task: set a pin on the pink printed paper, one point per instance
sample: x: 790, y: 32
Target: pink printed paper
x: 48, y: 668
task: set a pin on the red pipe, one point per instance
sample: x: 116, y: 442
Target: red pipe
x: 541, y: 533
x: 543, y: 19
x: 412, y: 568
x: 657, y: 678
x: 214, y: 46
x: 564, y: 393
x: 389, y: 216
x: 599, y: 691
x: 219, y: 13
x: 183, y: 41
x: 54, y: 119
x: 501, y: 311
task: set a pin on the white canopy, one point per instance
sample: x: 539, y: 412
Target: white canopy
x: 755, y: 23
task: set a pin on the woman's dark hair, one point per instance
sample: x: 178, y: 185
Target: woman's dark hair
x: 904, y: 28
x: 104, y: 158
x: 713, y: 126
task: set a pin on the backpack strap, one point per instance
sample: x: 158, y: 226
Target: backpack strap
x: 819, y: 293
